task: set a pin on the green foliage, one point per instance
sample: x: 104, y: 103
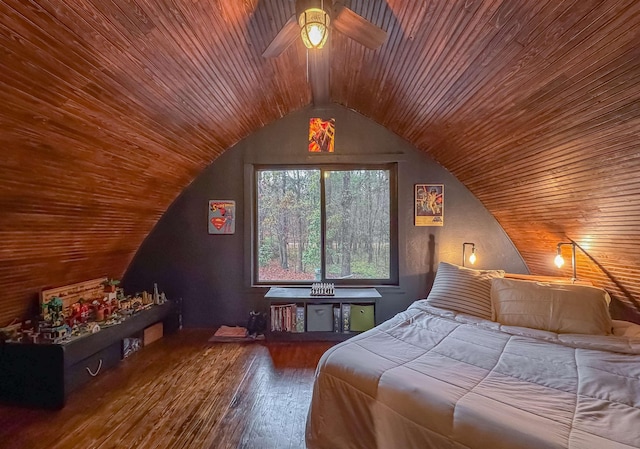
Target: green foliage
x: 363, y: 270
x: 311, y: 256
x: 268, y: 251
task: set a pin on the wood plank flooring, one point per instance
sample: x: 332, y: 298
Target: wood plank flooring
x: 182, y: 392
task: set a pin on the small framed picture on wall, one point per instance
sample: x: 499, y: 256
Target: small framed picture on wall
x: 429, y: 205
x: 322, y: 135
x: 222, y: 216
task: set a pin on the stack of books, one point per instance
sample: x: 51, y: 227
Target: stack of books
x: 287, y: 318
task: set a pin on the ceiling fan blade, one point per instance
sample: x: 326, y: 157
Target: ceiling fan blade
x: 357, y: 27
x: 319, y: 75
x: 285, y: 37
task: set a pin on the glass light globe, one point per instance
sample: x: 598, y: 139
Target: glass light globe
x: 313, y: 27
x: 316, y: 33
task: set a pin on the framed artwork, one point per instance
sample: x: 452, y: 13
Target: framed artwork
x: 429, y: 205
x: 321, y: 135
x: 222, y: 216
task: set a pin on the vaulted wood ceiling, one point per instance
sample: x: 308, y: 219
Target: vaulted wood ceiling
x: 108, y: 109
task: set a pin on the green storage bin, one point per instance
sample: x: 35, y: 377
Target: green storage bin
x: 362, y: 317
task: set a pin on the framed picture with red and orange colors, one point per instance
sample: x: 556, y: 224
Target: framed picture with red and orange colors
x: 322, y: 135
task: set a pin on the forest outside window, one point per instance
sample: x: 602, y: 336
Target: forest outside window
x: 326, y: 223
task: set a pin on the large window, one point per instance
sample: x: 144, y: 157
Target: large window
x: 330, y: 223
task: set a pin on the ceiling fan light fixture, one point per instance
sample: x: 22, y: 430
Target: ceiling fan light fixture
x: 314, y: 27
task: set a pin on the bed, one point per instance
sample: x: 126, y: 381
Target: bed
x: 543, y: 367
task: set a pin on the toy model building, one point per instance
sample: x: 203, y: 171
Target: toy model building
x: 80, y: 309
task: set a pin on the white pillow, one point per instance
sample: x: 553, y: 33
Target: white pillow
x: 463, y: 289
x: 626, y: 329
x: 560, y: 308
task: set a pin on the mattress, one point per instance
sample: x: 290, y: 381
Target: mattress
x: 432, y: 378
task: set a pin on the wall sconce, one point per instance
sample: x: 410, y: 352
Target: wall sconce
x: 472, y: 257
x: 559, y: 260
x: 314, y: 24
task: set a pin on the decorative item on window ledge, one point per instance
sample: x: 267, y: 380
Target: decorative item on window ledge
x: 559, y: 260
x: 322, y: 289
x: 222, y: 216
x: 429, y: 204
x: 472, y: 257
x: 314, y: 23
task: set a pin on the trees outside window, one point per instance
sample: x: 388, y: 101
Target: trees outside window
x: 325, y: 223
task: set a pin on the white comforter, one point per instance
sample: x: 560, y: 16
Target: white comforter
x: 430, y: 378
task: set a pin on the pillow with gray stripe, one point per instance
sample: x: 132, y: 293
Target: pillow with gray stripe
x: 463, y: 289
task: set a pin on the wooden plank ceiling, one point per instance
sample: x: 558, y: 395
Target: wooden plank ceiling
x: 108, y: 109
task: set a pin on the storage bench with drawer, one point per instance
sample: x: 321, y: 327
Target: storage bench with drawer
x: 43, y: 375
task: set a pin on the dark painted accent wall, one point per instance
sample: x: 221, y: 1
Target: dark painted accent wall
x: 211, y: 272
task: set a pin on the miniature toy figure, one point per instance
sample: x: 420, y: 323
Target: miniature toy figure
x: 110, y: 285
x: 55, y: 311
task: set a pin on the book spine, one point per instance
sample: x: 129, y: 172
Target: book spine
x: 346, y: 317
x: 299, y: 318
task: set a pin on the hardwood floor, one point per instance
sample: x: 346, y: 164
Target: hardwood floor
x: 182, y: 392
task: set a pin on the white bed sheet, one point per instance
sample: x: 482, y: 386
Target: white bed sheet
x: 431, y: 378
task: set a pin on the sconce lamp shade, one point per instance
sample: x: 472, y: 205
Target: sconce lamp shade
x: 314, y: 27
x: 472, y: 257
x: 559, y: 260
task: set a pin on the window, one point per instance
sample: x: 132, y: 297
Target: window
x: 326, y: 223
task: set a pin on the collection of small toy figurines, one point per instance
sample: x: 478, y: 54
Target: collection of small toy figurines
x: 58, y: 324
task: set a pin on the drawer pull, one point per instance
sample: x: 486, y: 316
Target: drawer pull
x: 97, y: 369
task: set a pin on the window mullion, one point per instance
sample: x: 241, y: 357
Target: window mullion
x: 323, y: 227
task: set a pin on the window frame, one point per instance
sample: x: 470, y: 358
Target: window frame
x: 392, y: 168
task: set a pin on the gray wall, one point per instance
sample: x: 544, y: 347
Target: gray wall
x: 211, y: 273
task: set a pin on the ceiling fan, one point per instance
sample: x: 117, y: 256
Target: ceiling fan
x: 312, y: 21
